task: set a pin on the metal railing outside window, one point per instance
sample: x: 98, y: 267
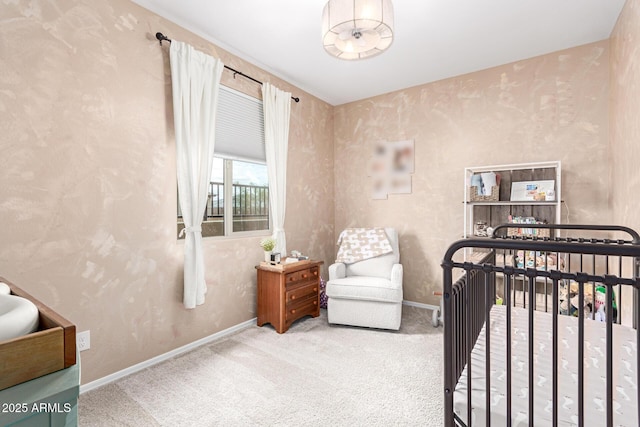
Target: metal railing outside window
x: 248, y: 201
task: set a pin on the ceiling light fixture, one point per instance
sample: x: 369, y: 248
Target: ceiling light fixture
x: 357, y: 29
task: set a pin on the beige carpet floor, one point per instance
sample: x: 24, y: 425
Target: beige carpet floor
x: 313, y: 375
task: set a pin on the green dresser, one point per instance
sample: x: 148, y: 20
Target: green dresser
x: 50, y: 400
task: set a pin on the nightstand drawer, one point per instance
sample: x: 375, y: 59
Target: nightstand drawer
x: 302, y: 292
x: 301, y: 275
x: 302, y: 308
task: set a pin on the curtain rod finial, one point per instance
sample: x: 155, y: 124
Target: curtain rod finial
x: 161, y: 37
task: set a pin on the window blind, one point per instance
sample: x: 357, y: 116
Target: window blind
x: 239, y: 127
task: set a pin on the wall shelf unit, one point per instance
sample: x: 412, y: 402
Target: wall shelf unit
x: 479, y: 213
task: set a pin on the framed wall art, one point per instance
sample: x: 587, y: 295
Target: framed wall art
x: 390, y: 168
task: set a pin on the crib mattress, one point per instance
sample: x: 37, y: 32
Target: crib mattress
x: 625, y: 363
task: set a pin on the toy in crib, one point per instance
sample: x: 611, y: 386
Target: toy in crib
x: 599, y: 304
x: 569, y: 302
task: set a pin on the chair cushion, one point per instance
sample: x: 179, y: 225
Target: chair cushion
x: 364, y: 288
x: 379, y: 266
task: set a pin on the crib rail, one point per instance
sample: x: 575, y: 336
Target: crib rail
x: 472, y: 286
x: 468, y: 302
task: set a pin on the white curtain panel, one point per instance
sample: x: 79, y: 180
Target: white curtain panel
x: 276, y: 105
x: 195, y: 80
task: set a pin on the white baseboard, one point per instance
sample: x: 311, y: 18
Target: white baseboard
x: 420, y: 305
x: 168, y: 355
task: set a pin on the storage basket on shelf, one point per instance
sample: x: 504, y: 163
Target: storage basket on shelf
x: 475, y: 197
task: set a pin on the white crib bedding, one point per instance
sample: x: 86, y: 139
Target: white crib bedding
x: 625, y: 363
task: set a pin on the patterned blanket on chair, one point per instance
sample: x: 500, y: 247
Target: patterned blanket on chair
x: 357, y: 244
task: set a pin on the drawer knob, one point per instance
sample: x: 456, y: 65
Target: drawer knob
x: 315, y: 289
x: 315, y: 273
x: 315, y: 303
x: 293, y: 297
x: 293, y: 311
x: 304, y: 276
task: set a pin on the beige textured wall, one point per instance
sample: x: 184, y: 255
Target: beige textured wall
x: 87, y: 173
x: 552, y: 107
x: 625, y: 120
x: 625, y: 115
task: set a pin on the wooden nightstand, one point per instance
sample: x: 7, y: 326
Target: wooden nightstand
x: 288, y: 292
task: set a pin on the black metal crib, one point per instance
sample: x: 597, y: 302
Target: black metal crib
x: 522, y: 340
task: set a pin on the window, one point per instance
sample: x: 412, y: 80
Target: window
x: 239, y: 173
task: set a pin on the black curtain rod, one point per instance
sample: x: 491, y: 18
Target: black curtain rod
x: 161, y: 37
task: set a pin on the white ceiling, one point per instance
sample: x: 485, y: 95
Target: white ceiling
x: 434, y: 39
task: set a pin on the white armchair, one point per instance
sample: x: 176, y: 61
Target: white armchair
x: 369, y: 292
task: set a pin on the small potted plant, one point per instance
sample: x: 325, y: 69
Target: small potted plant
x: 267, y: 244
